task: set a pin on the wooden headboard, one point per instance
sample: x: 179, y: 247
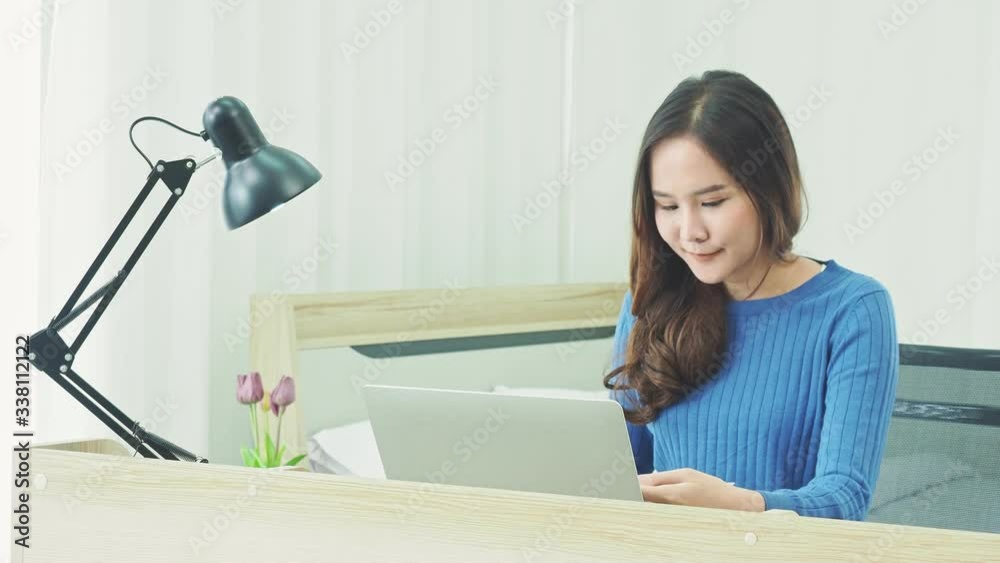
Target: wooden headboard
x: 288, y: 323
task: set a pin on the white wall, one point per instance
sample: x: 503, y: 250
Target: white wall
x: 19, y: 109
x: 169, y: 337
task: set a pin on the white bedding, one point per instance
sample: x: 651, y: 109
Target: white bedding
x: 346, y: 450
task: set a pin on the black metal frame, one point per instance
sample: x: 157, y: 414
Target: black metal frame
x: 49, y: 352
x: 476, y: 343
x: 974, y: 359
x: 909, y: 354
x: 971, y: 359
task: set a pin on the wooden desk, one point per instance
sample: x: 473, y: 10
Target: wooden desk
x: 90, y: 503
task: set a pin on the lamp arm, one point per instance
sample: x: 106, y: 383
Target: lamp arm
x: 50, y: 353
x: 151, y: 181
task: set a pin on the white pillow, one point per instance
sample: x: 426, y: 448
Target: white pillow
x: 346, y: 450
x: 556, y: 392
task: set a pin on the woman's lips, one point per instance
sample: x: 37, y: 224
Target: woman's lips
x: 704, y: 257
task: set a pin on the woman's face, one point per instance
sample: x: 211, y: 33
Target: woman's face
x: 703, y: 213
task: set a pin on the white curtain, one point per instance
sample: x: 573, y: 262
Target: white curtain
x: 489, y: 102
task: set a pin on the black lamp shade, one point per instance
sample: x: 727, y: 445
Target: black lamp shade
x: 260, y: 177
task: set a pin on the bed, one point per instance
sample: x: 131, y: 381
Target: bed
x: 555, y: 340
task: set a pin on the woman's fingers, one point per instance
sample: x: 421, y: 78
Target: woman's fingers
x: 671, y: 477
x: 652, y: 494
x: 664, y: 494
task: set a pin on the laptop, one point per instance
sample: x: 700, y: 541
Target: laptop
x: 576, y: 447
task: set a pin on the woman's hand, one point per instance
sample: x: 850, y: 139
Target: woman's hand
x: 689, y: 487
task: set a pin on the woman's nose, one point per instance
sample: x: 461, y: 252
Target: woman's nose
x: 693, y: 228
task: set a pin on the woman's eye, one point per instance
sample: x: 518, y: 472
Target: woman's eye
x: 715, y: 203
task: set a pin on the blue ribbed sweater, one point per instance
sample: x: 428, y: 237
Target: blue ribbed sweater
x: 800, y: 409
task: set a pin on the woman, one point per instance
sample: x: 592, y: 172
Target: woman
x: 752, y: 378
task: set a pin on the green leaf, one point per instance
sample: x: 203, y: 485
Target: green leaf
x: 295, y: 460
x: 248, y: 457
x: 256, y: 459
x: 269, y: 450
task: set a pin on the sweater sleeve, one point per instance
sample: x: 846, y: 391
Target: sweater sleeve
x: 862, y: 372
x: 639, y: 435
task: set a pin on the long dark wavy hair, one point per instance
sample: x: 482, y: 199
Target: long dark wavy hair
x: 679, y: 339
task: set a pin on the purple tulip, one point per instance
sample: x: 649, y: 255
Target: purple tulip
x: 283, y: 394
x: 249, y: 388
